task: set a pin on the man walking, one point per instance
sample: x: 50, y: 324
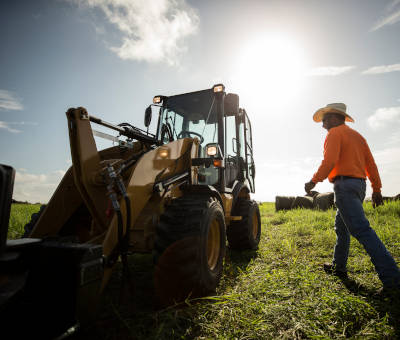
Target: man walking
x: 347, y: 162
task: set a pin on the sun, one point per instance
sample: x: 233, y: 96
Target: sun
x: 273, y: 66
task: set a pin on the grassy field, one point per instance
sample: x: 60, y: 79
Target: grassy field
x: 277, y: 292
x: 20, y: 215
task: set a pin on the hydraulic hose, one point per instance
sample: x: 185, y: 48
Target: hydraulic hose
x: 117, y: 209
x: 122, y: 190
x: 128, y: 220
x: 123, y: 240
x: 120, y: 227
x: 130, y: 162
x: 114, y: 201
x: 116, y: 183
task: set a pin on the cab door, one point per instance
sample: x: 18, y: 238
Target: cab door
x: 249, y: 160
x: 231, y: 153
x: 245, y: 150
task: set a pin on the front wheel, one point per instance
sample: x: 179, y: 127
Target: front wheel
x: 245, y: 233
x: 189, y: 249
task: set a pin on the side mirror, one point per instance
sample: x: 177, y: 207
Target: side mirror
x: 231, y: 104
x: 147, y: 116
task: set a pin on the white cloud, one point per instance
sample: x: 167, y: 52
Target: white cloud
x: 329, y: 70
x: 388, y: 162
x: 23, y: 123
x: 394, y: 139
x: 383, y: 116
x: 152, y: 31
x: 9, y: 102
x: 392, y: 16
x: 35, y: 187
x: 382, y: 69
x: 387, y: 157
x: 6, y: 126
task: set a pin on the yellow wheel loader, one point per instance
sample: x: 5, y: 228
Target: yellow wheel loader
x: 179, y: 194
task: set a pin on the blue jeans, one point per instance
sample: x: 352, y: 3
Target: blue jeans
x: 350, y: 219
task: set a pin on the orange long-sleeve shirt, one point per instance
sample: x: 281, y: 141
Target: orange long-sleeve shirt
x: 346, y: 153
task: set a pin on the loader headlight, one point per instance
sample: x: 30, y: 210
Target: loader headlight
x: 157, y: 99
x: 218, y: 88
x: 212, y: 150
x: 163, y: 153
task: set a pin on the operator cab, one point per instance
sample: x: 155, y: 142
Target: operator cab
x: 222, y: 128
x: 189, y: 115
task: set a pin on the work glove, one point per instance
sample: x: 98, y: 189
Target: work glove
x: 309, y: 186
x: 377, y: 199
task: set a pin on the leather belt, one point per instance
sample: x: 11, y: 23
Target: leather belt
x: 347, y: 177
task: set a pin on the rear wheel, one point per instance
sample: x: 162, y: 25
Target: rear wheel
x: 189, y: 249
x: 245, y: 234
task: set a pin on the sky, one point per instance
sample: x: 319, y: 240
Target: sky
x: 285, y: 60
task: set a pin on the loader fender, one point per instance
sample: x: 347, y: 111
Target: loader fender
x: 203, y: 190
x: 240, y: 189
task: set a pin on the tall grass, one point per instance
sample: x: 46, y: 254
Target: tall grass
x: 20, y: 215
x: 277, y: 292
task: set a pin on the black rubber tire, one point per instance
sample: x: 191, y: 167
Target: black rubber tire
x: 245, y: 233
x: 31, y: 224
x: 189, y: 249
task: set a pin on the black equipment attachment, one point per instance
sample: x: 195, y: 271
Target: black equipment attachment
x: 47, y: 285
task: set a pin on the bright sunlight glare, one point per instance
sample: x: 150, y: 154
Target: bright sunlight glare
x: 273, y: 68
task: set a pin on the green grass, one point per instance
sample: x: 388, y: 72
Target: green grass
x: 277, y: 292
x: 20, y: 215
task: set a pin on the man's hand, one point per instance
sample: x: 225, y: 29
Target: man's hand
x: 309, y: 186
x: 377, y: 199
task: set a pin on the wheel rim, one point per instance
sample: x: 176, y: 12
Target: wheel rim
x: 255, y: 225
x: 213, y: 244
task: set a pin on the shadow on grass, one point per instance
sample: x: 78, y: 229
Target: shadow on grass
x: 237, y: 262
x: 241, y: 259
x: 135, y: 313
x: 126, y: 312
x: 384, y: 304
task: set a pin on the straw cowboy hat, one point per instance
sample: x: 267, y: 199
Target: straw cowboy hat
x: 339, y: 108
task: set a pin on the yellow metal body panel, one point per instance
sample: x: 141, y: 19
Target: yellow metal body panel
x: 87, y: 166
x: 149, y: 168
x: 227, y: 200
